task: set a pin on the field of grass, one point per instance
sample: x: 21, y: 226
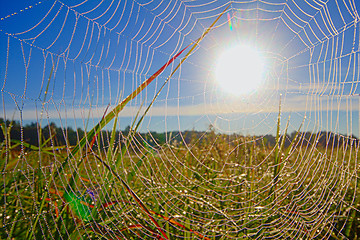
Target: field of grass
x: 213, y: 187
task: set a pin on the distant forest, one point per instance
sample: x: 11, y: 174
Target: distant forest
x: 62, y: 136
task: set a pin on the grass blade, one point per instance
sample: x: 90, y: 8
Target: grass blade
x: 171, y: 220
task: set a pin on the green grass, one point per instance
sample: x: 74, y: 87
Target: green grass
x: 217, y: 187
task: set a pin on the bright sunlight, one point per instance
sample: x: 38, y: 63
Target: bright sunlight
x: 240, y: 70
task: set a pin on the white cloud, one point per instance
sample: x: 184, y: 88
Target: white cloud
x: 295, y: 103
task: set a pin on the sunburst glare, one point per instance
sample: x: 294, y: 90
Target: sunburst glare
x: 240, y: 70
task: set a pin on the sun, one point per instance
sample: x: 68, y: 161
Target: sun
x: 240, y: 70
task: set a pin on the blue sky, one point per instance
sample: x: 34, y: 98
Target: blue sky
x: 101, y: 51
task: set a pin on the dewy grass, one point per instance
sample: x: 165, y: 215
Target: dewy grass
x: 277, y: 154
x: 209, y: 194
x: 137, y: 199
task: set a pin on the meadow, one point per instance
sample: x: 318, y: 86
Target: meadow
x: 209, y: 186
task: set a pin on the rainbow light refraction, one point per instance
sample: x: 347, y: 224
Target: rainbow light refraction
x: 229, y: 20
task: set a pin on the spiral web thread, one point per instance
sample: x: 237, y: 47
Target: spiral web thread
x: 70, y: 63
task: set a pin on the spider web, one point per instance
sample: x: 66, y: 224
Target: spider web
x: 281, y: 162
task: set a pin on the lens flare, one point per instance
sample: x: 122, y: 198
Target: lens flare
x: 229, y: 20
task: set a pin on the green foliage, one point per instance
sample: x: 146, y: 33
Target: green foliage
x: 212, y: 174
x: 79, y: 204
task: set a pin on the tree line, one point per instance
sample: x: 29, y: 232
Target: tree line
x: 32, y: 132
